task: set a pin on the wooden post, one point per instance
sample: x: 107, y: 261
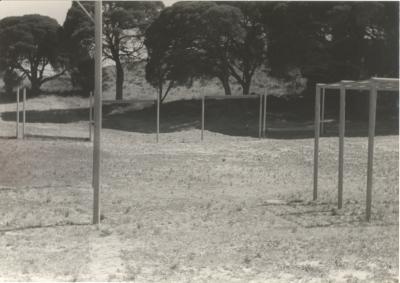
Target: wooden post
x: 17, y: 118
x: 158, y: 117
x: 342, y: 120
x: 316, y: 139
x: 260, y: 120
x: 265, y: 113
x: 371, y: 134
x: 98, y: 111
x: 90, y: 114
x: 202, y: 116
x: 323, y: 111
x: 23, y: 113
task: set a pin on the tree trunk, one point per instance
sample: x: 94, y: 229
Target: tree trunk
x: 120, y: 80
x: 246, y: 87
x: 35, y: 86
x: 225, y: 84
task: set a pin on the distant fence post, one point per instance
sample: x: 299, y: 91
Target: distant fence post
x: 90, y: 115
x: 17, y: 116
x: 260, y: 118
x: 316, y: 138
x: 202, y: 117
x: 23, y: 113
x: 265, y: 113
x: 158, y: 118
x: 322, y: 111
x: 342, y: 119
x: 371, y: 135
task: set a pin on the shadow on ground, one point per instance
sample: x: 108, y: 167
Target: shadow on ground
x: 286, y: 119
x: 29, y: 227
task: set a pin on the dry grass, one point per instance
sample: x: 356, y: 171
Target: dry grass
x: 230, y: 209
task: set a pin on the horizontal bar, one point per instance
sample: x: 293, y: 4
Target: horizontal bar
x: 222, y: 97
x: 379, y: 88
x: 128, y: 101
x: 385, y: 79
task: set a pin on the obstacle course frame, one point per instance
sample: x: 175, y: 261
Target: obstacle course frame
x: 373, y: 85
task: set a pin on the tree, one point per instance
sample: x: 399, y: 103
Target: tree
x: 332, y: 41
x: 217, y: 40
x: 11, y: 80
x: 173, y: 59
x: 124, y: 24
x: 30, y: 45
x: 78, y: 42
x: 248, y: 41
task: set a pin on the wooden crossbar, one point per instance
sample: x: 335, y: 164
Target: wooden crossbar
x: 108, y: 102
x: 223, y: 97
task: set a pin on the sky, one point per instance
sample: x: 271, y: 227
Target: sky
x: 56, y: 9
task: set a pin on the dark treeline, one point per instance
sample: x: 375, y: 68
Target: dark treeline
x: 229, y: 41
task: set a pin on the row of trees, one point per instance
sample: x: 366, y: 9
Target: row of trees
x: 321, y: 41
x: 34, y: 45
x: 230, y: 41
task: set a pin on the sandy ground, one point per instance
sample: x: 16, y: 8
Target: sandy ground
x: 230, y: 209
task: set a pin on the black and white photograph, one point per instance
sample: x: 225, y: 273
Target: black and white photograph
x: 199, y: 141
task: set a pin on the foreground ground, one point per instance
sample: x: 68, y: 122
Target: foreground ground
x: 230, y: 209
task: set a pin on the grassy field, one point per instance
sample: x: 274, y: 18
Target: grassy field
x: 234, y: 208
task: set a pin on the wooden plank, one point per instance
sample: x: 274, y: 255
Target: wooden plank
x: 17, y: 118
x: 23, y: 113
x: 316, y: 139
x: 323, y: 111
x: 98, y: 111
x: 371, y: 135
x: 202, y: 117
x: 342, y: 118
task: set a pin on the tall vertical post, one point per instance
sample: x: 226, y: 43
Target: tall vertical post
x: 260, y: 120
x: 371, y: 135
x: 323, y: 111
x: 23, y: 113
x: 158, y: 117
x: 342, y: 119
x: 265, y: 113
x: 316, y: 138
x: 98, y: 34
x: 17, y: 116
x: 202, y: 117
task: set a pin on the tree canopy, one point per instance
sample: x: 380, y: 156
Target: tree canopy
x: 124, y: 24
x: 331, y: 41
x: 217, y: 40
x: 29, y: 45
